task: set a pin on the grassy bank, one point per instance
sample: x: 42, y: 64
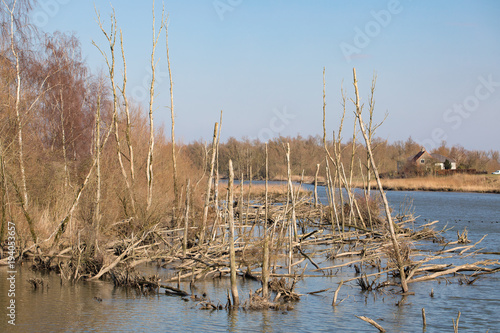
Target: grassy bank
x: 455, y: 183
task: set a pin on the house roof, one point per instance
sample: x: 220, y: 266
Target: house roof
x: 418, y: 156
x: 442, y: 159
x: 439, y: 158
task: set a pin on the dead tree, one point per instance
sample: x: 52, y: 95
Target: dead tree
x: 128, y: 135
x: 111, y: 38
x: 395, y: 243
x: 265, y: 263
x: 209, y: 185
x: 149, y: 162
x: 172, y: 115
x: 232, y: 256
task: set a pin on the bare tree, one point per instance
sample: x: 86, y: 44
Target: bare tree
x: 61, y: 228
x: 97, y: 211
x: 111, y: 38
x: 149, y: 163
x: 209, y: 184
x: 232, y: 255
x: 395, y: 243
x: 172, y: 114
x: 265, y: 262
x: 127, y: 114
x: 19, y: 122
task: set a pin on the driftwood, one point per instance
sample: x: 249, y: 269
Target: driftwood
x: 481, y: 266
x: 372, y: 322
x: 106, y: 269
x: 328, y: 249
x: 173, y: 291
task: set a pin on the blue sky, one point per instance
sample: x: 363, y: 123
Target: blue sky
x: 261, y: 62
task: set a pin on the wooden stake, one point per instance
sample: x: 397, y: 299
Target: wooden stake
x: 265, y: 264
x: 292, y: 196
x: 232, y: 256
x: 334, y: 302
x: 455, y: 323
x: 316, y: 187
x: 186, y: 219
x: 248, y: 196
x: 240, y: 203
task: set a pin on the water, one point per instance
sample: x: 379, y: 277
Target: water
x: 66, y: 307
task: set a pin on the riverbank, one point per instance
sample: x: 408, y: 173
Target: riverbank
x: 455, y: 183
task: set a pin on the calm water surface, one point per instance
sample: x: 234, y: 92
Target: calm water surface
x: 66, y: 307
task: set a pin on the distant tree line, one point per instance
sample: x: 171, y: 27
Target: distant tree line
x: 307, y: 152
x: 76, y: 155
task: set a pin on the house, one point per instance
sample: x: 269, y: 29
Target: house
x: 424, y: 160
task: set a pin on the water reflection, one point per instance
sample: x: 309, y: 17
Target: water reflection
x: 65, y: 307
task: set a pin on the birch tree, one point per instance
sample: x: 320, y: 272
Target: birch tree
x: 149, y: 163
x: 172, y: 115
x: 111, y: 38
x: 19, y: 121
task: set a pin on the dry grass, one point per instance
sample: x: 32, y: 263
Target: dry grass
x: 299, y: 178
x: 457, y: 183
x: 260, y: 189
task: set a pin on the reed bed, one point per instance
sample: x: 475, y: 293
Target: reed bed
x: 456, y: 183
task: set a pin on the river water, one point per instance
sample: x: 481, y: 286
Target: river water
x: 66, y: 307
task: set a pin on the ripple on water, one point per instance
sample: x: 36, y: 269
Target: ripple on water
x: 72, y: 308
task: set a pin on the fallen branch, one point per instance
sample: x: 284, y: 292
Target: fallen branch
x: 106, y: 269
x: 372, y: 322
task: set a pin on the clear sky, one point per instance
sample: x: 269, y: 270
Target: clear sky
x: 261, y: 62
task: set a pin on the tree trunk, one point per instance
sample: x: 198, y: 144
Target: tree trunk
x: 316, y: 187
x: 395, y: 243
x: 232, y: 255
x: 128, y: 136
x: 209, y: 185
x: 265, y: 264
x: 17, y: 105
x: 172, y: 115
x: 111, y: 68
x: 149, y: 163
x: 186, y: 219
x: 292, y: 196
x: 97, y: 212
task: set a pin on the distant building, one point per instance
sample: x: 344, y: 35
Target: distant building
x: 426, y: 160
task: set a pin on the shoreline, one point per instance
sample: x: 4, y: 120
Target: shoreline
x: 455, y: 183
x: 433, y: 189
